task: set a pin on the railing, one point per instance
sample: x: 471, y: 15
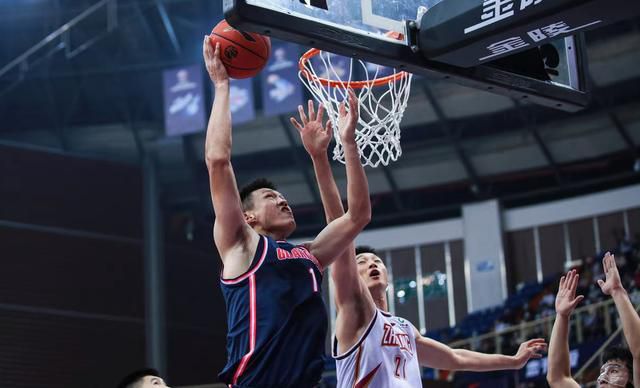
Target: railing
x: 543, y: 325
x: 63, y: 32
x: 61, y: 39
x: 605, y: 309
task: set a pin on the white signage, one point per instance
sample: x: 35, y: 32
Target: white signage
x: 536, y: 35
x: 496, y: 10
x: 493, y: 11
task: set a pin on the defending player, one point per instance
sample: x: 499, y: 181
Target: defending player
x: 621, y: 367
x: 276, y: 318
x: 373, y: 348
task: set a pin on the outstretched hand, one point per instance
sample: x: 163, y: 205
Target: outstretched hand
x: 529, y: 350
x: 348, y: 120
x: 215, y: 67
x: 566, y: 300
x: 315, y: 137
x: 612, y: 276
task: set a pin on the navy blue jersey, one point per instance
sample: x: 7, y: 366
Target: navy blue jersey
x: 276, y: 319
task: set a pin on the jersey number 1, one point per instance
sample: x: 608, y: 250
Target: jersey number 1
x: 313, y: 278
x: 401, y: 366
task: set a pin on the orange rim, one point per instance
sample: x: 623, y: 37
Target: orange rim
x: 351, y: 84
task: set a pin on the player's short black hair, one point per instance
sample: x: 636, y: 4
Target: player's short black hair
x: 622, y: 354
x: 245, y: 192
x: 136, y: 376
x: 365, y: 249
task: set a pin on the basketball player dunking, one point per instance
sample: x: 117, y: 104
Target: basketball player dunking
x: 373, y: 348
x: 276, y: 318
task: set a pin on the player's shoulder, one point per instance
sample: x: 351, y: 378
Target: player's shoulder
x: 241, y: 264
x: 285, y: 242
x: 274, y: 243
x: 403, y: 323
x: 292, y: 245
x: 305, y: 244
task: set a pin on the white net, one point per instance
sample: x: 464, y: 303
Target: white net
x: 381, y: 105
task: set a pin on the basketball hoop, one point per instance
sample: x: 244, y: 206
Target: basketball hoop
x: 381, y: 100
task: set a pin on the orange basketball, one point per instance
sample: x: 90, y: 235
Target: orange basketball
x: 244, y: 54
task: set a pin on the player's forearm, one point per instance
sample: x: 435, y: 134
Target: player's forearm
x: 344, y: 273
x: 359, y: 203
x: 480, y: 362
x: 559, y: 364
x: 329, y: 193
x: 218, y: 139
x: 630, y: 320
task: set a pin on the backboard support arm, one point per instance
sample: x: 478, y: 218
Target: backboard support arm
x: 266, y: 21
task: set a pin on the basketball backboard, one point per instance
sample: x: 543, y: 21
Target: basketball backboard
x: 384, y: 32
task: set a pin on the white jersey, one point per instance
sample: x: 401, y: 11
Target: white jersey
x: 385, y: 356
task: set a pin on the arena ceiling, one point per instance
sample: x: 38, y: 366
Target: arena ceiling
x: 96, y: 92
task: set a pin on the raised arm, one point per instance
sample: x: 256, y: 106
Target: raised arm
x: 234, y: 238
x: 353, y: 301
x: 630, y: 320
x: 437, y: 355
x: 341, y: 232
x: 315, y: 139
x: 559, y: 372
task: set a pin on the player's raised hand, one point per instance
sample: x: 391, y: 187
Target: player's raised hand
x: 529, y: 350
x: 215, y: 67
x: 566, y: 300
x: 348, y: 119
x: 315, y: 136
x: 612, y: 276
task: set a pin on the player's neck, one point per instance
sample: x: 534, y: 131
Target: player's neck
x: 380, y: 299
x: 276, y: 235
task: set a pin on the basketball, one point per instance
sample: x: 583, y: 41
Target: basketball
x: 244, y: 54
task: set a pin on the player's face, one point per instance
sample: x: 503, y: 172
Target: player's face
x: 271, y: 212
x: 153, y: 382
x: 613, y: 373
x: 372, y: 270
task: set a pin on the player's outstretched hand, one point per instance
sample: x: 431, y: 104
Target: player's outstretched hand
x: 566, y: 300
x: 215, y: 67
x: 348, y: 119
x: 529, y: 350
x: 315, y: 137
x: 612, y: 281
